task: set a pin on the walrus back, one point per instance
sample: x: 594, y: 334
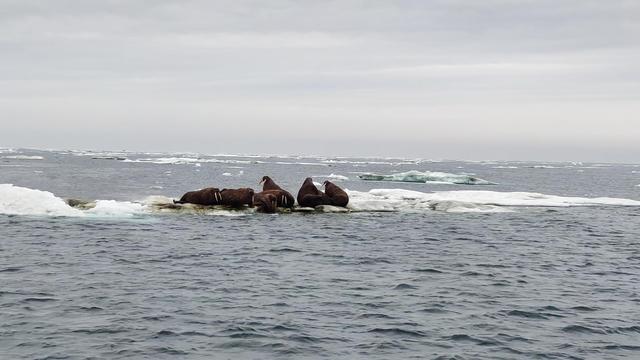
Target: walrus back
x: 338, y: 196
x: 207, y: 196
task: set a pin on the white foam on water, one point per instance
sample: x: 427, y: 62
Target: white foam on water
x: 428, y: 177
x: 23, y: 157
x: 468, y: 201
x: 227, y: 174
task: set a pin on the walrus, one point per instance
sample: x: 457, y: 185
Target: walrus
x: 269, y: 184
x: 206, y: 196
x: 338, y: 196
x: 236, y: 197
x: 265, y: 202
x: 285, y: 199
x: 310, y: 196
x: 214, y: 196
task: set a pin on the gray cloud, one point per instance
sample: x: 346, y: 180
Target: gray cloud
x: 468, y: 79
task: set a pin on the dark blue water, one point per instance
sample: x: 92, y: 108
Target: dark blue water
x: 537, y: 282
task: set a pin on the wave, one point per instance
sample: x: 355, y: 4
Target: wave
x: 427, y: 177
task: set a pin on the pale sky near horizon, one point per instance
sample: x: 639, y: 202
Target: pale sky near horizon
x: 516, y: 80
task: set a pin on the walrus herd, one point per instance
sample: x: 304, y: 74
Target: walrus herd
x: 270, y: 198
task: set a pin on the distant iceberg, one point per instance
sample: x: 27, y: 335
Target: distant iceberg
x: 427, y: 176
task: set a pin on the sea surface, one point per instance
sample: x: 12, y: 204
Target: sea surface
x: 542, y: 264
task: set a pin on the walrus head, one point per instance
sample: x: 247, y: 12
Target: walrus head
x: 269, y: 184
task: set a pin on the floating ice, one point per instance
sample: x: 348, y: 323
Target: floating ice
x: 23, y: 157
x: 467, y: 201
x: 185, y: 160
x: 333, y: 177
x: 427, y: 176
x: 16, y: 200
x: 112, y: 208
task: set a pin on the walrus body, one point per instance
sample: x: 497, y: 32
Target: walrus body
x: 337, y: 196
x: 283, y: 197
x: 214, y: 196
x: 310, y: 196
x: 265, y: 202
x: 237, y: 197
x: 207, y: 196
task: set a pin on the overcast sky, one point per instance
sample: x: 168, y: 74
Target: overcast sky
x: 545, y: 80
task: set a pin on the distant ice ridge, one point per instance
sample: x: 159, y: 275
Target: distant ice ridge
x: 185, y: 160
x: 467, y: 201
x: 16, y: 200
x: 333, y: 176
x: 427, y: 176
x: 23, y: 157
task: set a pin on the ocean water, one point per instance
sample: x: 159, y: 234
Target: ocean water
x: 544, y: 264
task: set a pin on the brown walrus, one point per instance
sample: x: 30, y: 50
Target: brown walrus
x: 265, y: 202
x: 338, y: 196
x: 285, y: 199
x: 269, y: 184
x: 214, y: 196
x: 310, y: 196
x: 236, y: 197
x: 206, y: 196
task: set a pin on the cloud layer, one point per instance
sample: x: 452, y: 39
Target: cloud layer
x: 449, y: 79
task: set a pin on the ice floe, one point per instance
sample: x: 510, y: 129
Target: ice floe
x: 185, y: 160
x: 16, y: 200
x: 23, y: 157
x: 427, y: 177
x: 332, y: 176
x: 468, y: 201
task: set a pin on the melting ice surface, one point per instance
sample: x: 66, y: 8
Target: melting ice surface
x: 427, y: 176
